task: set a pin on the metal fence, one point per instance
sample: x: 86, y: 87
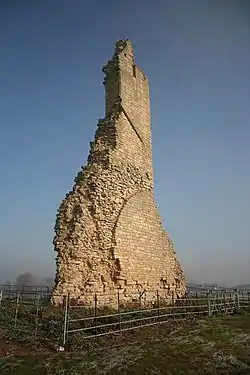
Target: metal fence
x: 27, y: 317
x: 24, y: 289
x: 28, y: 312
x: 100, y: 322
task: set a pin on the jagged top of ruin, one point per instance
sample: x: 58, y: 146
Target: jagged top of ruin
x: 124, y: 44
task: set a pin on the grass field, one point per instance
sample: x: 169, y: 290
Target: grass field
x: 217, y: 345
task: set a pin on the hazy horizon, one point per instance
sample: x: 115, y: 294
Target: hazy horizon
x: 197, y: 58
x: 39, y: 280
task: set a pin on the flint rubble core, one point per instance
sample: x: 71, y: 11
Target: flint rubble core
x: 108, y: 233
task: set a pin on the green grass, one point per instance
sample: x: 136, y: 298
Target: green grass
x: 217, y: 345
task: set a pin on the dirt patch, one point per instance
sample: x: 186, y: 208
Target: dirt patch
x: 9, y: 349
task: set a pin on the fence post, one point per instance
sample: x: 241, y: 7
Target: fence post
x: 224, y: 302
x: 1, y: 297
x: 95, y: 307
x: 119, y: 309
x: 172, y: 298
x: 37, y: 314
x: 237, y: 298
x: 209, y: 304
x: 158, y: 305
x: 185, y: 302
x: 17, y: 307
x: 140, y: 307
x: 65, y: 319
x: 196, y: 302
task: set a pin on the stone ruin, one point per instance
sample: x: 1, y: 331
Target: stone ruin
x: 108, y: 233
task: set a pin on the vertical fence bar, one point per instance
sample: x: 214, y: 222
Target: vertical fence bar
x: 172, y: 301
x: 34, y: 297
x: 140, y: 308
x: 37, y: 314
x: 224, y: 302
x: 65, y: 318
x: 185, y: 303
x: 237, y: 299
x: 16, y: 310
x: 196, y: 302
x: 158, y: 304
x: 119, y: 309
x: 1, y: 297
x: 230, y: 301
x: 209, y: 304
x: 95, y: 308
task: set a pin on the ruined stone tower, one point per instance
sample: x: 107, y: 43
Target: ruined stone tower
x: 109, y: 233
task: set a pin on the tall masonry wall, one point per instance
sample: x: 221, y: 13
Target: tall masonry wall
x: 108, y: 231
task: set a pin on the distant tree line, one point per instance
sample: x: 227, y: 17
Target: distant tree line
x: 27, y: 279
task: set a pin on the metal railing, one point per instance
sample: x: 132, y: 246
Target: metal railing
x: 31, y: 312
x: 25, y: 289
x: 98, y: 323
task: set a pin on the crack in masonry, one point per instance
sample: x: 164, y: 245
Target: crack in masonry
x: 132, y: 125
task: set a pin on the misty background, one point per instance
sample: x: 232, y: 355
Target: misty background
x: 197, y: 57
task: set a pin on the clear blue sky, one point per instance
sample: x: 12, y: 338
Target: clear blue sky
x: 197, y: 57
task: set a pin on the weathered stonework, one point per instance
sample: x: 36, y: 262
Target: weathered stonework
x: 109, y: 234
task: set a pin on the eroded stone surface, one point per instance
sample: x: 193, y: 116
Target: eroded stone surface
x: 109, y: 234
